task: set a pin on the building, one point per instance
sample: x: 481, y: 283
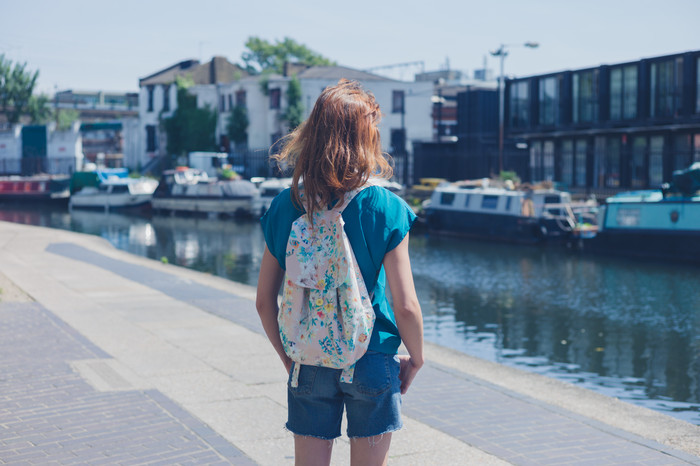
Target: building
x: 406, y: 107
x: 158, y: 100
x: 109, y: 124
x: 607, y: 128
x: 34, y: 149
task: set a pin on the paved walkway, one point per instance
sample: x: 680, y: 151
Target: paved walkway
x: 109, y: 358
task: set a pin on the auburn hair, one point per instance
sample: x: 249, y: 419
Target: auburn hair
x: 337, y: 148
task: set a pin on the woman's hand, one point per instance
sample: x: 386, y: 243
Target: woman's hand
x: 407, y: 372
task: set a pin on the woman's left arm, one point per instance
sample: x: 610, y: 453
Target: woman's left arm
x: 269, y: 283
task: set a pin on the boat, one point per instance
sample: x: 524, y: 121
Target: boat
x: 191, y: 191
x: 111, y: 189
x: 41, y: 188
x: 269, y: 188
x: 480, y: 211
x: 655, y: 224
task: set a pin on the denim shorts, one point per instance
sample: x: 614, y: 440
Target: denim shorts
x: 372, y: 401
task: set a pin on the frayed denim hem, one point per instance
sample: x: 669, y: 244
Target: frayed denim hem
x: 380, y: 435
x: 330, y: 439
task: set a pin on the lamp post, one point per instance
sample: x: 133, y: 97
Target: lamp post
x: 502, y: 53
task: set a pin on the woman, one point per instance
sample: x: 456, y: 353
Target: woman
x: 336, y: 151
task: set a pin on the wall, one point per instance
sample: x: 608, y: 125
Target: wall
x: 10, y: 150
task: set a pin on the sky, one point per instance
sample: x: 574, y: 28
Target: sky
x: 108, y: 45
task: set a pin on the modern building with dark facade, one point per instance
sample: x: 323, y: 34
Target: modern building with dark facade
x: 605, y: 129
x: 474, y: 154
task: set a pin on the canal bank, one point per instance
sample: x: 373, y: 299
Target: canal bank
x: 114, y: 356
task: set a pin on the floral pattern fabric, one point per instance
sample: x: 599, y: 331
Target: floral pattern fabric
x: 326, y: 315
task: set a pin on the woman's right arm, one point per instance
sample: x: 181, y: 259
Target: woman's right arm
x: 269, y: 283
x: 409, y: 319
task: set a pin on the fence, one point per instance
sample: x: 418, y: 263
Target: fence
x: 27, y: 166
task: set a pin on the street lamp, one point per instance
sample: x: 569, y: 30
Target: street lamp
x: 502, y: 53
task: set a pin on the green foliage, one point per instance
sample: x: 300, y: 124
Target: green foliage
x: 294, y: 114
x: 66, y: 117
x: 509, y: 175
x: 228, y: 174
x: 16, y: 91
x: 40, y: 112
x: 189, y: 128
x: 237, y: 127
x: 265, y: 57
x: 164, y: 260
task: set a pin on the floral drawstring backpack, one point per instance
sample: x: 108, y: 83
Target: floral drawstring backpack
x: 326, y: 315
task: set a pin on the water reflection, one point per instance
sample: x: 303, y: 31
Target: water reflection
x: 626, y: 329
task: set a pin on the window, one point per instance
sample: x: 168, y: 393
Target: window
x: 240, y: 98
x: 519, y: 104
x: 697, y: 85
x: 466, y: 201
x: 681, y: 151
x: 397, y: 102
x: 222, y: 103
x: 567, y: 162
x: 612, y: 162
x: 489, y: 202
x: 509, y: 201
x: 585, y: 100
x: 230, y: 102
x: 536, y: 161
x: 166, y: 98
x: 151, y: 138
x: 149, y: 89
x: 666, y: 85
x: 447, y: 198
x: 696, y: 148
x: 656, y: 161
x: 638, y: 177
x: 548, y: 101
x: 548, y: 160
x: 581, y: 162
x: 275, y: 98
x: 623, y: 92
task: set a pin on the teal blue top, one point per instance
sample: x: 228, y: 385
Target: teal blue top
x: 376, y: 221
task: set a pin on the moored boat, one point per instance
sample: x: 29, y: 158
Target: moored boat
x: 496, y: 213
x: 192, y: 191
x: 114, y: 190
x: 54, y: 188
x: 657, y: 224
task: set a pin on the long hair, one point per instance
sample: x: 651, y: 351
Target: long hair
x: 337, y: 148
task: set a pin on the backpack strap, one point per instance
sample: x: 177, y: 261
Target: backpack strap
x: 350, y: 195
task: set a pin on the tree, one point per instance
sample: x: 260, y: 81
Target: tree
x: 189, y: 128
x: 237, y: 127
x: 294, y: 114
x: 265, y: 57
x: 17, y: 93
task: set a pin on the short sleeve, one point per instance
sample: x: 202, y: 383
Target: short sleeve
x: 277, y: 223
x: 400, y: 218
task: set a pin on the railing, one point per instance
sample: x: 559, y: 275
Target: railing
x: 27, y: 166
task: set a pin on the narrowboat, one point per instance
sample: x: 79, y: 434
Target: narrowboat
x: 191, y: 191
x: 41, y: 188
x: 527, y: 216
x: 656, y: 224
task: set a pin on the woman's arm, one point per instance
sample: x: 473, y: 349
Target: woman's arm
x: 406, y: 310
x: 269, y: 283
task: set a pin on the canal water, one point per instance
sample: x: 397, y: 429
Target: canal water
x: 624, y: 328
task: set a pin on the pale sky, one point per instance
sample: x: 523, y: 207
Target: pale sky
x: 109, y: 45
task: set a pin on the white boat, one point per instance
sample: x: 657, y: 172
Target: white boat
x: 495, y: 213
x: 115, y: 192
x: 192, y: 191
x: 269, y: 188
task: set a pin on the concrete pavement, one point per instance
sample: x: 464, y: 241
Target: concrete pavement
x: 110, y: 358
